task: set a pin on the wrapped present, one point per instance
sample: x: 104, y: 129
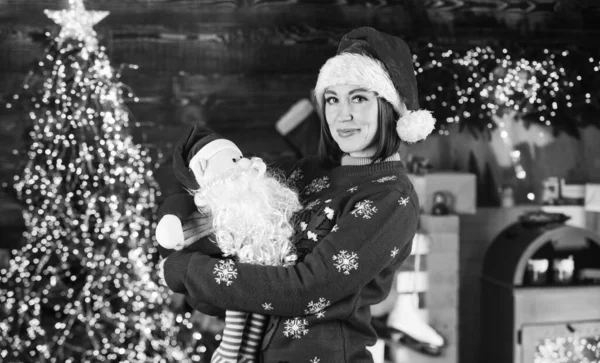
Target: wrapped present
x: 592, y: 197
x: 460, y: 190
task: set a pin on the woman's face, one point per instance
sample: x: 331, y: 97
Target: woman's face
x: 351, y: 113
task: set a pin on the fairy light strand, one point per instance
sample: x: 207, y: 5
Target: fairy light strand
x: 569, y: 349
x: 82, y: 288
x: 557, y: 88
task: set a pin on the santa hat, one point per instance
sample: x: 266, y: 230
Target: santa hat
x: 383, y: 64
x: 197, y: 143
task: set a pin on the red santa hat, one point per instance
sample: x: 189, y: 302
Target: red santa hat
x: 383, y: 64
x: 197, y: 143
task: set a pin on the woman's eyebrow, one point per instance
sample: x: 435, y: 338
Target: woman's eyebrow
x: 359, y: 90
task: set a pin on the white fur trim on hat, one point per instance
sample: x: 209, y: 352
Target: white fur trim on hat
x: 360, y: 70
x: 212, y: 148
x: 415, y: 125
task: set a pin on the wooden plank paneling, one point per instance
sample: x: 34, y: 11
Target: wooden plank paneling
x: 177, y: 13
x: 231, y: 86
x: 243, y: 108
x: 155, y: 55
x: 545, y: 22
x: 195, y: 15
x: 229, y: 101
x: 210, y: 57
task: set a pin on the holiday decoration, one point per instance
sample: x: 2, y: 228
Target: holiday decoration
x: 406, y: 322
x: 84, y: 288
x: 418, y: 165
x: 557, y: 88
x: 568, y: 349
x: 440, y: 205
x: 77, y: 23
x: 459, y: 190
x: 252, y: 213
x: 592, y: 197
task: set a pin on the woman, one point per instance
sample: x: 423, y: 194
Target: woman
x: 359, y: 218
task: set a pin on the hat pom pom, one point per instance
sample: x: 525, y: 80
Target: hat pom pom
x: 415, y: 125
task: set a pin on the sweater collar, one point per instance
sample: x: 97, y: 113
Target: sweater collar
x: 351, y: 160
x: 360, y: 167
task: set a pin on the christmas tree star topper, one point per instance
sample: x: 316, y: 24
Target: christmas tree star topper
x: 77, y: 22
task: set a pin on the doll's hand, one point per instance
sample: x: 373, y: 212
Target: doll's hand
x: 169, y: 233
x: 197, y: 226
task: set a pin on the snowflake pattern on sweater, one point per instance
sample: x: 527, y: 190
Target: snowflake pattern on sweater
x: 317, y: 308
x: 343, y: 237
x: 225, y: 271
x: 313, y: 204
x: 295, y: 176
x: 317, y: 185
x: 385, y: 179
x: 365, y: 209
x: 346, y: 262
x: 267, y: 306
x: 295, y: 328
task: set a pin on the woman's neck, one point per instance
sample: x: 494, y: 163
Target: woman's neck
x: 352, y: 160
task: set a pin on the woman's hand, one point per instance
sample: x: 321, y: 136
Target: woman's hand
x: 196, y: 226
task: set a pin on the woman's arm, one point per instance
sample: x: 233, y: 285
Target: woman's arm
x: 359, y: 247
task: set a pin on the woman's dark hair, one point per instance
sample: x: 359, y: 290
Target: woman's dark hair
x: 386, y: 138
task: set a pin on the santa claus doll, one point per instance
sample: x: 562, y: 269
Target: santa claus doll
x: 251, y: 210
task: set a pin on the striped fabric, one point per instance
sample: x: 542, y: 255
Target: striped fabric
x: 252, y: 337
x: 241, y: 338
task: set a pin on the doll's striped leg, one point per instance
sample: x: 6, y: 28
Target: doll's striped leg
x: 228, y: 350
x: 253, y: 335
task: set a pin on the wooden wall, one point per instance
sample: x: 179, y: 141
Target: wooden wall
x: 240, y: 64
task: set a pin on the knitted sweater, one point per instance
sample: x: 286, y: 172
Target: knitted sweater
x: 355, y: 230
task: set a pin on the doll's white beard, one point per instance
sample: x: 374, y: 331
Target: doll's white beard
x: 252, y: 213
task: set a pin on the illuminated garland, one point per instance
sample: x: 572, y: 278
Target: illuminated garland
x: 82, y: 289
x: 556, y: 88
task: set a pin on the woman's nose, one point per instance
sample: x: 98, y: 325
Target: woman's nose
x: 345, y: 113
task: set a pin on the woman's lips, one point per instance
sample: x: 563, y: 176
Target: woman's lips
x: 347, y: 132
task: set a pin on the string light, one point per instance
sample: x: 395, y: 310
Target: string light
x: 568, y: 349
x: 553, y: 87
x: 82, y: 288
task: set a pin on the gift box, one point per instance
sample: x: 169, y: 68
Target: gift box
x: 460, y: 190
x: 592, y: 197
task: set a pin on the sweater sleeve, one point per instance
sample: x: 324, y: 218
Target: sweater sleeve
x: 180, y: 205
x: 373, y: 231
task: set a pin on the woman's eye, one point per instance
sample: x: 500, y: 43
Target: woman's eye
x: 331, y: 100
x: 359, y: 99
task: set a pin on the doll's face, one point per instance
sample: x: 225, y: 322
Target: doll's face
x: 218, y: 164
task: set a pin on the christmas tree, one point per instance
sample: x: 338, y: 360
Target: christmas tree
x: 84, y: 287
